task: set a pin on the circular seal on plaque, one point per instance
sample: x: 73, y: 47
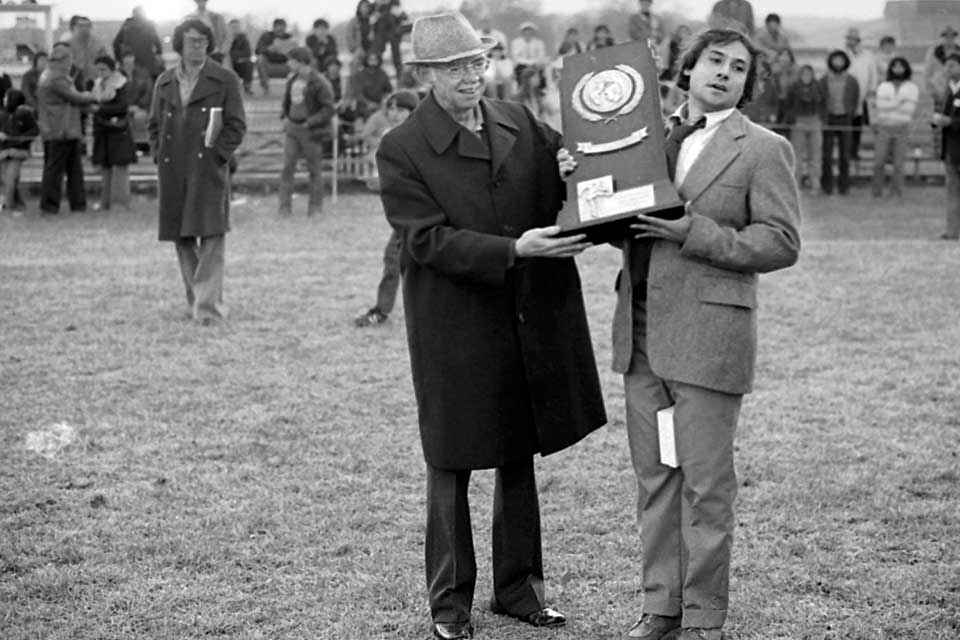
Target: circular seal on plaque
x: 608, y: 94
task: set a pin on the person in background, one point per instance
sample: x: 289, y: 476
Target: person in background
x: 772, y: 40
x: 784, y: 70
x: 396, y: 109
x: 842, y: 95
x: 733, y: 14
x: 59, y: 105
x: 271, y: 50
x: 678, y: 42
x: 360, y: 35
x: 484, y: 270
x: 307, y: 110
x: 241, y: 55
x: 645, y: 25
x: 485, y: 29
x: 601, y: 38
x: 85, y: 48
x: 193, y: 155
x: 28, y: 83
x: 948, y: 120
x: 527, y: 50
x: 934, y: 66
x: 139, y: 35
x: 897, y: 99
x: 571, y: 42
x: 217, y: 24
x: 139, y: 86
x: 390, y: 24
x: 530, y: 91
x: 113, y: 149
x: 18, y: 128
x: 886, y: 52
x: 6, y: 83
x: 765, y: 104
x: 369, y: 86
x: 333, y: 73
x: 322, y: 45
x: 499, y: 76
x: 863, y: 68
x: 804, y: 106
x: 551, y: 105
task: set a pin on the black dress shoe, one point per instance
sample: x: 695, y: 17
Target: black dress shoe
x: 453, y: 630
x: 545, y: 617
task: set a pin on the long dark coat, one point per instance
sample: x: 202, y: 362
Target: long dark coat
x: 500, y: 349
x: 113, y: 133
x: 194, y: 181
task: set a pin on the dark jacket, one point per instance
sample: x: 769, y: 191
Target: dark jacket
x: 950, y: 145
x: 59, y: 105
x: 369, y: 86
x: 500, y: 350
x: 28, y: 84
x: 140, y: 37
x: 319, y: 101
x: 851, y: 94
x: 240, y: 51
x: 193, y: 180
x: 804, y: 100
x: 112, y: 137
x: 323, y: 50
x: 266, y: 40
x: 18, y: 122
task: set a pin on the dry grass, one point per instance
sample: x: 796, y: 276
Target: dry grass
x: 264, y: 479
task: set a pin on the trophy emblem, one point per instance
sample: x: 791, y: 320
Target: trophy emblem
x: 608, y: 94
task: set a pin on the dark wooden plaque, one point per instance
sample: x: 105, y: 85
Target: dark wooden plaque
x: 613, y: 127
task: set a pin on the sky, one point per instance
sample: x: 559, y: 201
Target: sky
x: 304, y: 11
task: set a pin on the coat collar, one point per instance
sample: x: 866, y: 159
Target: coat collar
x: 440, y: 130
x: 721, y: 150
x: 209, y: 82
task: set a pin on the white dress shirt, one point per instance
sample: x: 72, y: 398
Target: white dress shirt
x: 694, y: 144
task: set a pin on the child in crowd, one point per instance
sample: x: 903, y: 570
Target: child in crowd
x: 396, y: 109
x: 18, y: 128
x: 897, y: 99
x: 803, y: 109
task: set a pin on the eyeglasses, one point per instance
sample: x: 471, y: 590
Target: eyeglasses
x: 195, y: 42
x: 458, y: 71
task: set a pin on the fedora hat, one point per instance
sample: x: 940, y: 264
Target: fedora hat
x: 446, y: 37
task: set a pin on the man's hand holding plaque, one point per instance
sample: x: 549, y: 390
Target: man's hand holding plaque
x: 613, y: 130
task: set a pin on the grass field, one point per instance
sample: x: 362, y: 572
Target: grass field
x: 263, y: 479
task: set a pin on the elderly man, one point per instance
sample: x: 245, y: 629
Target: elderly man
x: 196, y: 123
x: 59, y: 106
x: 502, y: 362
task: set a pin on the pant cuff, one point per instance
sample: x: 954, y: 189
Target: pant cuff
x: 704, y: 618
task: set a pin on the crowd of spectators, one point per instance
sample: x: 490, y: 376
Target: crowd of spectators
x: 822, y: 116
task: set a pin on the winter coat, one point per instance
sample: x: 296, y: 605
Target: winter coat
x: 500, y: 350
x: 318, y: 99
x: 58, y: 106
x: 194, y: 181
x: 112, y: 136
x: 18, y: 122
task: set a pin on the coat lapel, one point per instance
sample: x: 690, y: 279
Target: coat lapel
x: 207, y: 84
x: 720, y: 151
x: 503, y: 134
x: 167, y: 89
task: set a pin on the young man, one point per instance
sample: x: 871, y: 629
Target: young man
x: 949, y: 122
x: 322, y: 45
x: 308, y: 109
x: 684, y: 333
x: 842, y: 95
x: 193, y: 148
x: 271, y: 50
x: 772, y: 40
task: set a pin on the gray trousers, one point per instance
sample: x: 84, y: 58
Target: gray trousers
x: 201, y: 265
x: 686, y: 514
x: 298, y: 142
x: 450, y: 561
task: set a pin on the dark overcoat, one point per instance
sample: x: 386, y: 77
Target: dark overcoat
x: 113, y: 133
x: 193, y: 180
x: 500, y: 350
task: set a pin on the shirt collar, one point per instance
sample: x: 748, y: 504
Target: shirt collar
x: 183, y: 75
x: 714, y: 118
x: 954, y: 85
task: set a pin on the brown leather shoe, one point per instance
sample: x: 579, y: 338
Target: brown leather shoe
x: 453, y: 630
x: 699, y: 633
x: 651, y: 626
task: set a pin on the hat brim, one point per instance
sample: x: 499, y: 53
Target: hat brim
x: 486, y: 43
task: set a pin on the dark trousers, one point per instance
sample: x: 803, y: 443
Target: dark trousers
x: 62, y: 157
x: 390, y: 280
x: 840, y: 137
x: 450, y: 561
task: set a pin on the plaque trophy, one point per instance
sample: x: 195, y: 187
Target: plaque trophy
x: 613, y: 127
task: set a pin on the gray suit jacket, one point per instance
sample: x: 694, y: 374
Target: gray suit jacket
x: 702, y: 296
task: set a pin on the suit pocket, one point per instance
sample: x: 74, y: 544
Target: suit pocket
x: 727, y: 291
